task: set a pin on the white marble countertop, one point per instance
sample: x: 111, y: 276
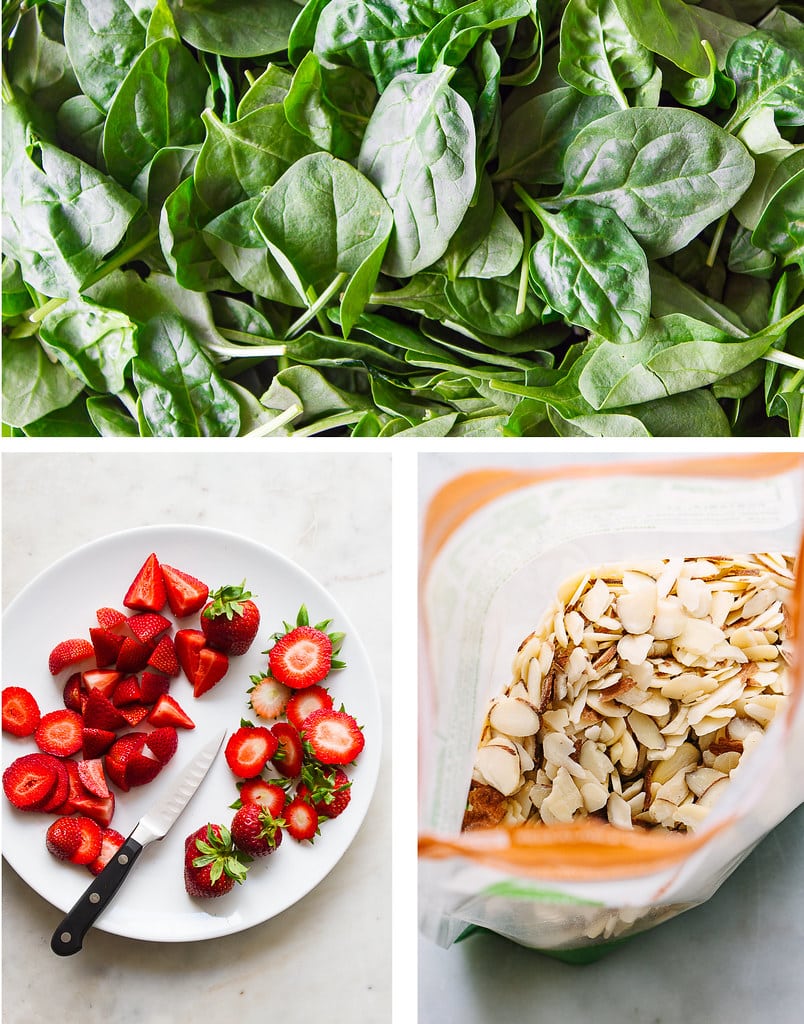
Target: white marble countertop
x: 330, y: 513
x: 737, y: 957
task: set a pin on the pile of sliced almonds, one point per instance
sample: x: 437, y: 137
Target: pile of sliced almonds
x: 639, y: 695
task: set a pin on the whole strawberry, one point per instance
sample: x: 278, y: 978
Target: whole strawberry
x: 327, y: 789
x: 230, y: 620
x: 256, y: 831
x: 211, y: 863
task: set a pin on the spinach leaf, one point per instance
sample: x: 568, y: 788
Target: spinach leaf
x: 62, y: 218
x: 236, y: 28
x: 781, y: 226
x: 94, y: 344
x: 667, y: 173
x: 419, y: 151
x: 158, y: 104
x: 590, y: 268
x: 103, y: 39
x: 184, y: 245
x: 180, y: 391
x: 667, y: 27
x: 599, y: 56
x: 768, y: 74
x: 33, y: 384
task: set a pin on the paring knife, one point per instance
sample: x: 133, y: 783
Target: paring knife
x: 155, y: 824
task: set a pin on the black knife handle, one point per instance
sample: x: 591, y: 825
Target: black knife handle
x: 68, y: 937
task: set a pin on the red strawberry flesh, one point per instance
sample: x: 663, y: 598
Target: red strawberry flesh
x: 69, y: 652
x: 185, y: 593
x: 147, y: 591
x: 21, y: 713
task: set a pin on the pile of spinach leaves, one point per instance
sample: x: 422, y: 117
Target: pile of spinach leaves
x: 440, y: 218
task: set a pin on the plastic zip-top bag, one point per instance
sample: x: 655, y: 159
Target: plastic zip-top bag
x: 544, y: 576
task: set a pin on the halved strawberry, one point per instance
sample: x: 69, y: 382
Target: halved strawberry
x: 301, y: 658
x: 63, y: 837
x: 132, y: 655
x: 111, y: 841
x: 98, y: 808
x: 29, y: 781
x: 147, y: 591
x: 305, y: 702
x: 162, y: 743
x: 189, y: 643
x: 74, y: 695
x: 109, y: 618
x: 135, y: 713
x: 269, y: 697
x: 289, y: 753
x: 301, y: 820
x: 167, y: 711
x: 163, y: 657
x: 93, y: 777
x: 119, y: 755
x: 95, y: 742
x: 212, y: 667
x: 107, y: 646
x: 249, y: 749
x: 185, y: 593
x: 152, y: 686
x: 334, y: 737
x: 141, y: 769
x: 103, y: 680
x: 127, y: 691
x: 100, y: 713
x: 148, y: 627
x: 61, y: 790
x: 59, y: 733
x: 20, y: 711
x: 69, y: 652
x: 269, y: 795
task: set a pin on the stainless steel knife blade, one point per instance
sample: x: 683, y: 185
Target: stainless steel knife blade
x: 153, y: 825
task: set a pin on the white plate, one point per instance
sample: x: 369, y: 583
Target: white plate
x: 152, y: 904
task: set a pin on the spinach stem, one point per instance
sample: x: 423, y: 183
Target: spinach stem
x: 8, y: 92
x: 529, y: 202
x: 784, y: 359
x: 316, y: 307
x: 247, y: 351
x: 276, y: 422
x: 716, y: 239
x: 522, y: 294
x: 341, y: 419
x: 128, y: 400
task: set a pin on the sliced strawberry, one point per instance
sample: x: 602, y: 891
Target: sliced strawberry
x: 142, y: 769
x: 64, y: 838
x: 301, y: 820
x: 69, y: 652
x: 212, y: 667
x: 20, y: 711
x: 109, y: 618
x: 269, y: 697
x: 95, y: 742
x: 61, y: 790
x: 189, y: 643
x: 29, y: 781
x: 162, y: 743
x: 305, y: 702
x: 147, y: 591
x: 301, y: 658
x: 119, y: 755
x: 289, y: 753
x: 333, y: 736
x: 127, y: 691
x: 135, y: 713
x: 111, y: 841
x: 107, y: 646
x: 249, y: 749
x: 98, y: 808
x: 75, y: 788
x: 100, y: 713
x: 163, y: 657
x: 59, y: 733
x: 89, y: 845
x: 167, y: 711
x: 185, y: 593
x: 269, y: 795
x: 102, y: 680
x: 133, y: 655
x: 148, y: 627
x: 93, y: 777
x: 152, y: 686
x: 74, y: 695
